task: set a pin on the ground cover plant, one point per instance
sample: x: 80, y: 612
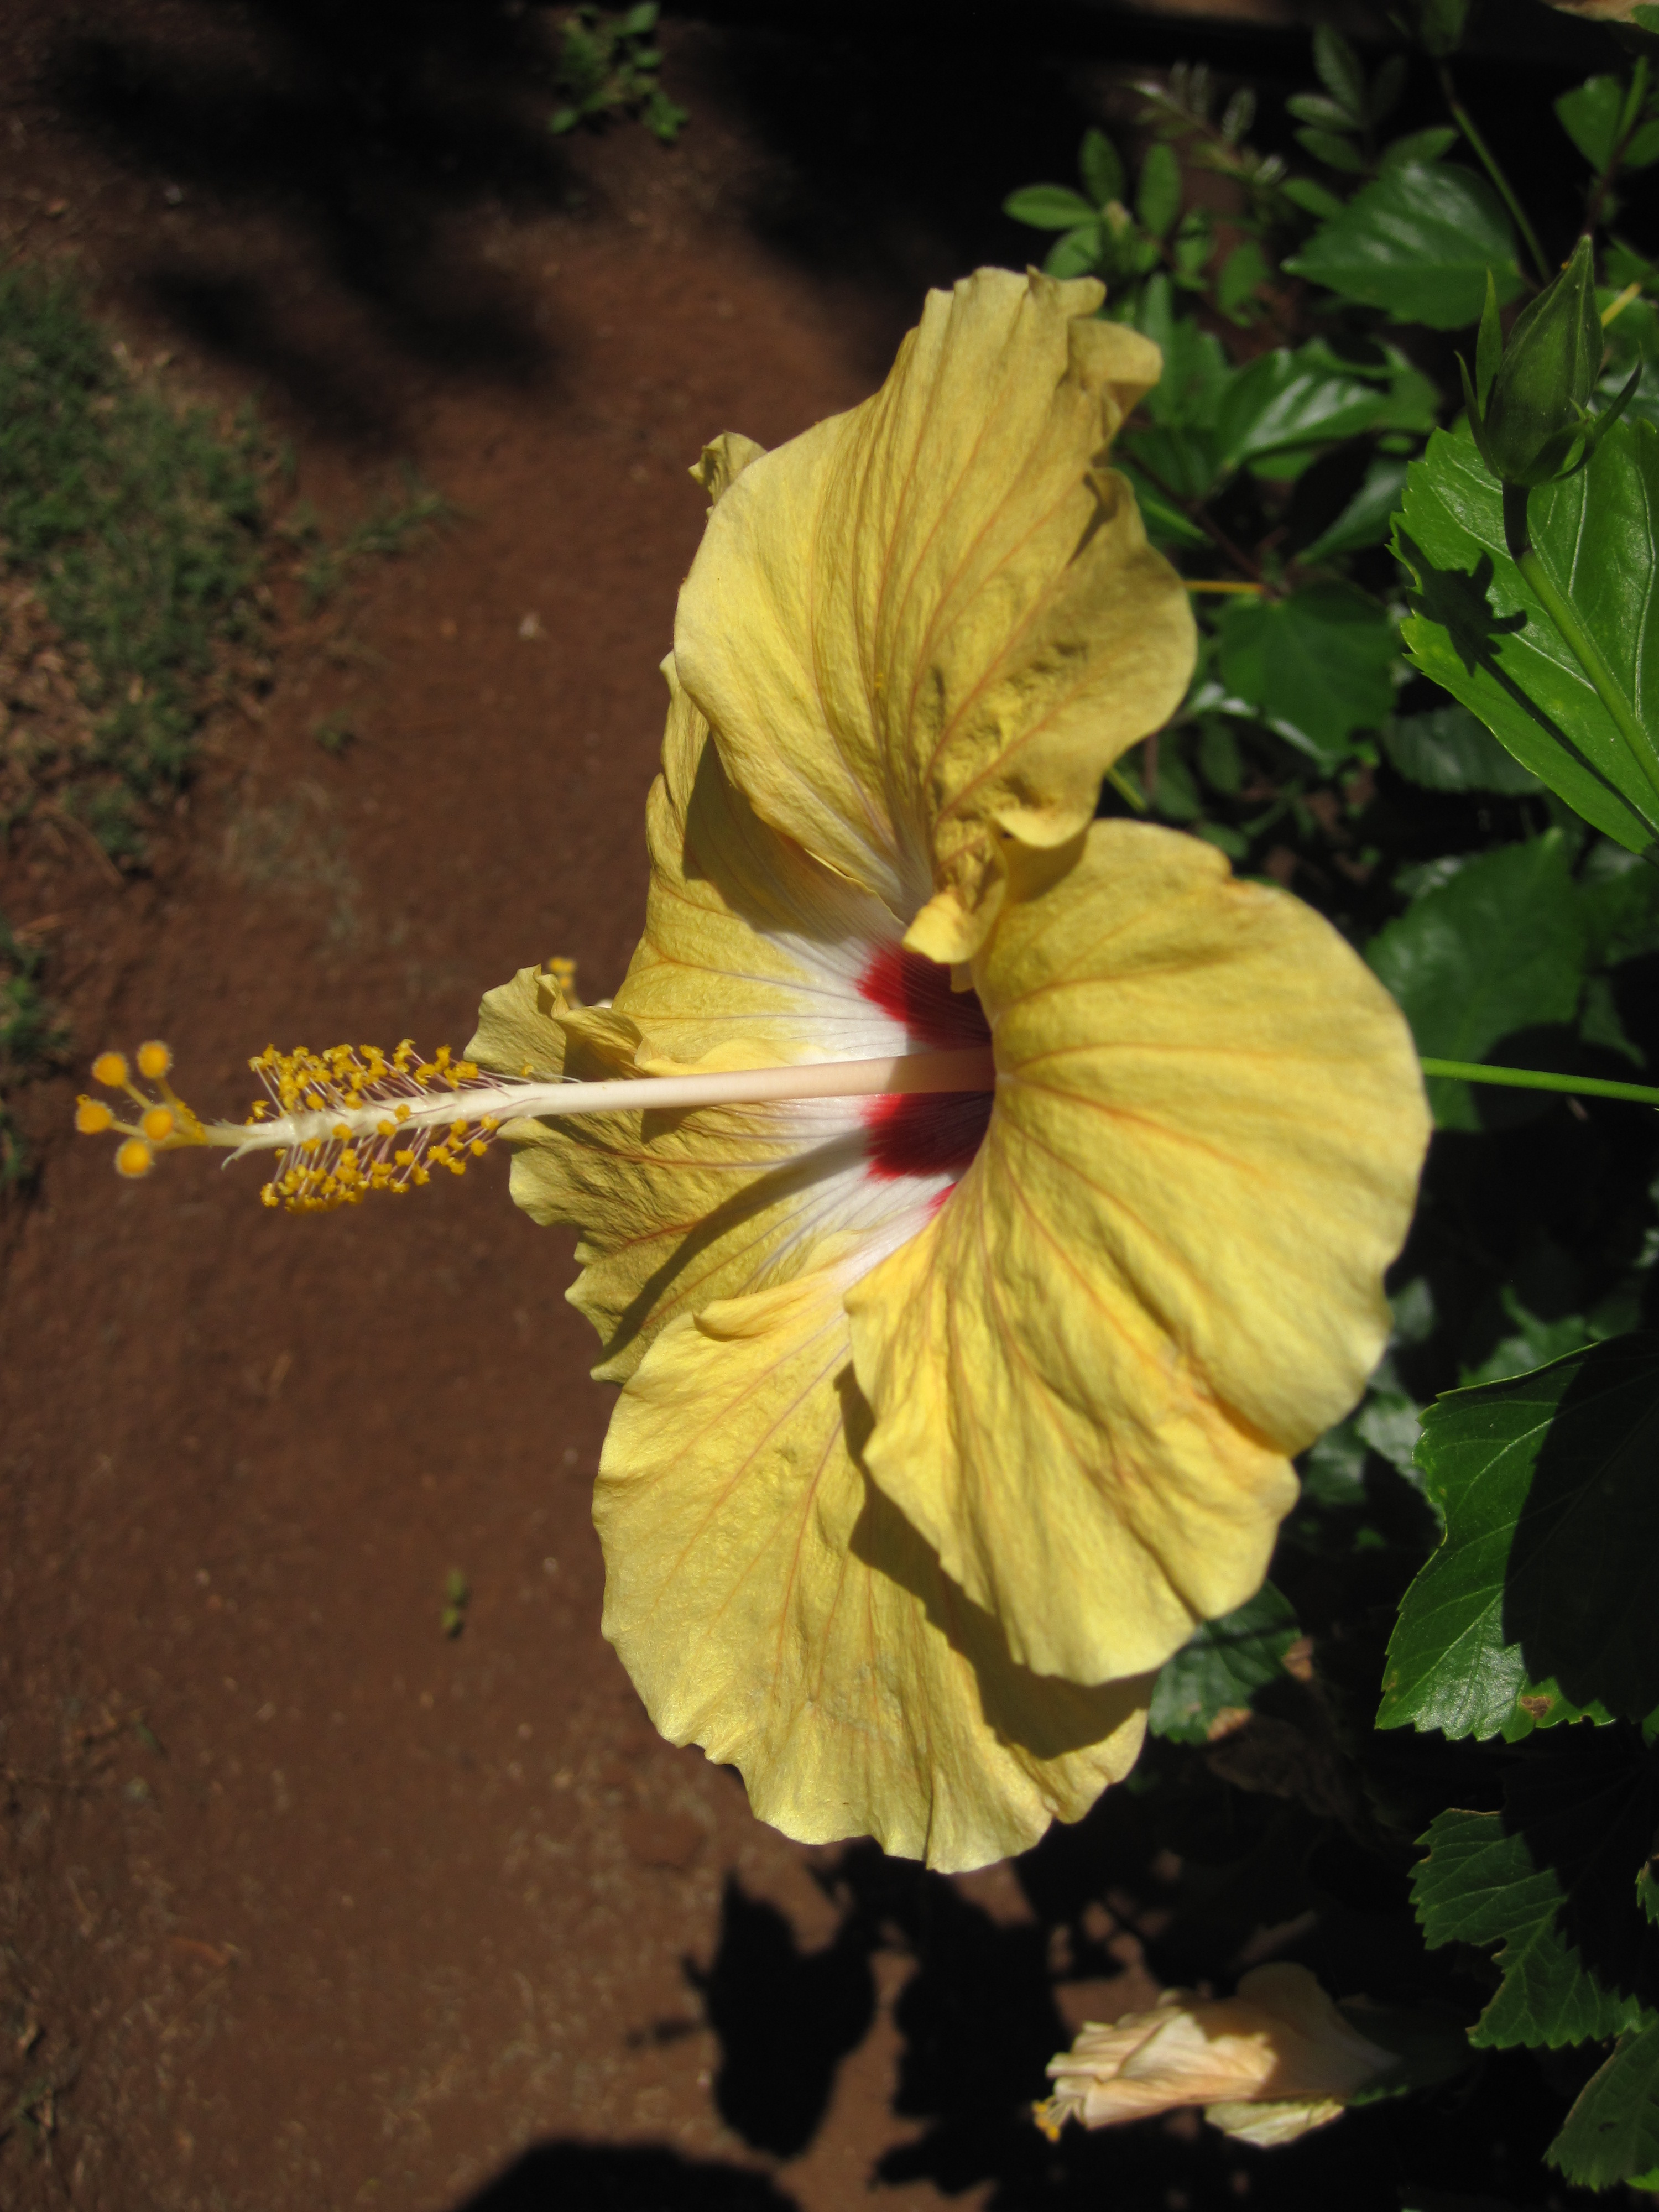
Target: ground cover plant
x: 137, y: 522
x: 1418, y: 702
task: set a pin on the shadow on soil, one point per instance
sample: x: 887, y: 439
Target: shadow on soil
x: 363, y: 130
x: 978, y: 2018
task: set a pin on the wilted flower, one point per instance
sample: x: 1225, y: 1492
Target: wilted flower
x: 995, y: 1198
x: 1268, y: 2064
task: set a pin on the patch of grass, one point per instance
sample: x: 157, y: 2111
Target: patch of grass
x: 383, y: 533
x: 139, y: 523
x: 607, y: 67
x: 31, y: 1038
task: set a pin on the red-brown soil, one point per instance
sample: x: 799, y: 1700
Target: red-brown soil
x: 303, y: 1903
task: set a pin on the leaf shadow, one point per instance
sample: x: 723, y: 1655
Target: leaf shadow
x: 1459, y: 602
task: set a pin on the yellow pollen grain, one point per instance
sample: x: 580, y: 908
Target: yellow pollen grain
x: 134, y: 1158
x: 158, y: 1123
x: 92, y: 1117
x: 110, y: 1068
x: 155, y: 1060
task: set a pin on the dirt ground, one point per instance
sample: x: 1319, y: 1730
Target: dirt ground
x: 303, y: 1902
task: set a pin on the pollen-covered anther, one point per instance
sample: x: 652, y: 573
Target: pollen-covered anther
x: 358, y: 1119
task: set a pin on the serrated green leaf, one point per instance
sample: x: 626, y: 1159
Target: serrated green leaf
x: 1477, y: 628
x: 1499, y: 948
x: 1449, y: 749
x: 1590, y: 114
x: 1049, y: 207
x: 1550, y: 1880
x: 1612, y: 2133
x: 1222, y: 1666
x: 1157, y: 195
x: 1417, y: 242
x: 1314, y: 665
x: 1364, y: 521
x: 1101, y: 170
x: 1541, y: 1596
x: 1418, y: 149
x: 1285, y: 403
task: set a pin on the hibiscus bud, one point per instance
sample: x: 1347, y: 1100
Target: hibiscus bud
x: 1268, y: 2064
x: 1536, y: 409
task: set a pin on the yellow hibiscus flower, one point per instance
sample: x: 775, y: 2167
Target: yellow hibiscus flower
x: 992, y: 1199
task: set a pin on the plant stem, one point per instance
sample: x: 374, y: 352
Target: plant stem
x: 1466, y: 123
x: 1534, y: 1078
x: 1194, y: 509
x: 1587, y: 653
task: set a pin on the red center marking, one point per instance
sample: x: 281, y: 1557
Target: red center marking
x: 937, y: 1133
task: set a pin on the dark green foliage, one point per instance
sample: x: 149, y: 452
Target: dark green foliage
x: 1498, y: 948
x: 1223, y: 1667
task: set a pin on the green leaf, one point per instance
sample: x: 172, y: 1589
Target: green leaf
x: 1478, y: 630
x: 1157, y: 196
x: 1222, y: 1666
x: 1049, y: 207
x: 1541, y: 1593
x: 1552, y: 1879
x: 1612, y: 2133
x: 1448, y: 749
x: 1101, y: 170
x: 1339, y: 71
x: 1499, y: 948
x: 1077, y: 254
x: 1620, y: 898
x: 1323, y: 114
x: 1418, y: 149
x: 1242, y: 273
x: 1591, y: 115
x: 1364, y: 521
x: 1286, y: 403
x: 1312, y: 198
x: 1418, y: 242
x: 1314, y: 665
x: 1336, y: 153
x: 1642, y: 148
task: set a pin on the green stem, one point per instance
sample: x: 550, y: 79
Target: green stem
x: 1590, y: 657
x: 1466, y: 123
x: 1534, y: 1078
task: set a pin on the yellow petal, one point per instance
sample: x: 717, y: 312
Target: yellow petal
x: 1161, y: 1274
x: 937, y: 618
x: 519, y: 1031
x: 773, y: 1606
x: 752, y: 955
